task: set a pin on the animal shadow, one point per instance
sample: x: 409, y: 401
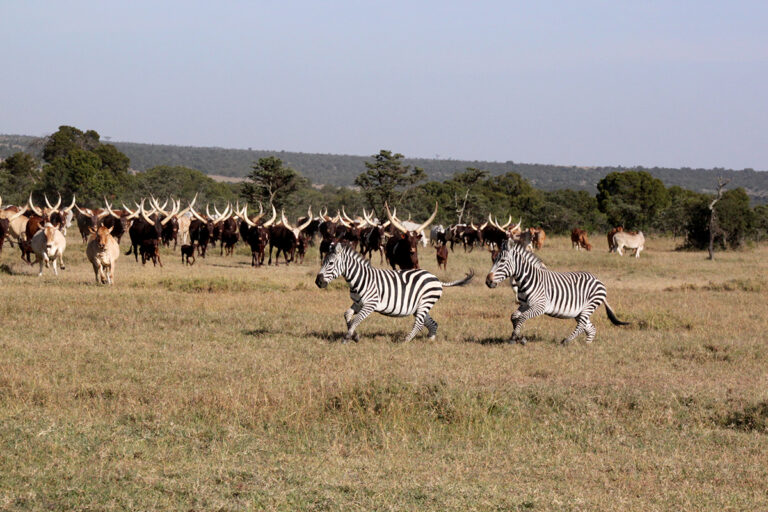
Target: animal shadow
x: 503, y: 340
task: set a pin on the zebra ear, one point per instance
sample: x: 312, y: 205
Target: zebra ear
x: 337, y: 248
x: 504, y: 245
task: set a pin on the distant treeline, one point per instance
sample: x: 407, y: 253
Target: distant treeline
x: 341, y: 170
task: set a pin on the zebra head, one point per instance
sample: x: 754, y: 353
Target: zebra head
x: 331, y: 268
x: 502, y: 268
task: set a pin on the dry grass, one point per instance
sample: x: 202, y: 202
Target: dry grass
x: 221, y: 387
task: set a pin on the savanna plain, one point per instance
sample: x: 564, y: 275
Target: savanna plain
x: 223, y: 387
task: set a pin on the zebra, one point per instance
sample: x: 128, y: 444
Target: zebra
x: 389, y: 292
x: 541, y: 291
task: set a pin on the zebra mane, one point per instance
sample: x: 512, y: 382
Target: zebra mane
x: 354, y: 254
x: 527, y: 255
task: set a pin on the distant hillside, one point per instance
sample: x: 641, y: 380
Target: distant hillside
x: 341, y: 170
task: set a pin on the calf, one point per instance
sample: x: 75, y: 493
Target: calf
x: 150, y: 250
x: 187, y: 252
x: 102, y: 251
x: 442, y: 255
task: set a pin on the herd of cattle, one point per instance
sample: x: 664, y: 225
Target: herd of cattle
x: 41, y: 231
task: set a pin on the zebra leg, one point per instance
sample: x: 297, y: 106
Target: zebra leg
x: 417, y: 325
x: 525, y: 312
x: 584, y: 325
x: 431, y: 326
x: 361, y: 315
x: 349, y: 314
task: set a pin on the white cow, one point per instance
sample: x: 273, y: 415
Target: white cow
x: 48, y: 245
x: 102, y: 251
x: 623, y: 239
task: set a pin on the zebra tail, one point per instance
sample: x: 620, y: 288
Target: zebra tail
x: 612, y: 316
x: 461, y: 282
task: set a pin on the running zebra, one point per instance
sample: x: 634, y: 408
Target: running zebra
x: 389, y: 292
x: 541, y: 291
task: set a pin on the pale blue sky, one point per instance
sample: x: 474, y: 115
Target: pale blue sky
x: 653, y: 83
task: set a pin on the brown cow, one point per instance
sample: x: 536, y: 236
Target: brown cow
x: 579, y: 239
x: 442, y: 255
x: 611, y: 243
x: 538, y: 238
x: 102, y: 251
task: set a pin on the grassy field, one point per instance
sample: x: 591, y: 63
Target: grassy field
x: 222, y: 387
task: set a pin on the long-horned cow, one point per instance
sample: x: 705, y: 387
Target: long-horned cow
x: 402, y: 249
x: 102, y: 251
x: 286, y: 238
x: 49, y: 244
x: 255, y: 234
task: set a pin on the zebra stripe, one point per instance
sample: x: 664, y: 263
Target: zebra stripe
x: 389, y: 292
x: 541, y: 291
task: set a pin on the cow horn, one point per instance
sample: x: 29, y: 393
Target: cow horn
x: 131, y: 214
x: 145, y: 215
x: 185, y: 210
x: 393, y: 220
x: 284, y: 220
x: 218, y: 213
x: 509, y: 221
x: 157, y: 207
x: 18, y: 213
x: 196, y: 215
x: 47, y: 203
x: 69, y: 208
x: 429, y: 220
x: 516, y: 228
x: 472, y: 225
x: 482, y: 226
x: 1, y: 200
x: 109, y: 209
x: 243, y: 214
x: 272, y: 220
x: 32, y: 206
x: 174, y: 211
x: 207, y: 211
x: 83, y: 212
x: 346, y: 217
x: 308, y: 221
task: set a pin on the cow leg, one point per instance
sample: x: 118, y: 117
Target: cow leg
x: 618, y: 250
x: 40, y: 260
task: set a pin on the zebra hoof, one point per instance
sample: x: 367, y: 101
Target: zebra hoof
x: 522, y: 340
x: 565, y: 341
x: 432, y: 338
x: 356, y: 337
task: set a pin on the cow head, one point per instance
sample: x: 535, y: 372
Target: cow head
x: 102, y: 236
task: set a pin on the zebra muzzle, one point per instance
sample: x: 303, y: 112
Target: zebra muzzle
x: 320, y: 282
x: 490, y: 281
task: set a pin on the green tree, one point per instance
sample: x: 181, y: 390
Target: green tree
x: 387, y: 180
x: 632, y: 199
x: 271, y: 182
x: 464, y: 200
x: 19, y: 174
x: 79, y: 172
x: 67, y: 139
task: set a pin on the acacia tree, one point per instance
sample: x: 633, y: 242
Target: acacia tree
x: 387, y: 180
x: 466, y: 180
x: 272, y: 182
